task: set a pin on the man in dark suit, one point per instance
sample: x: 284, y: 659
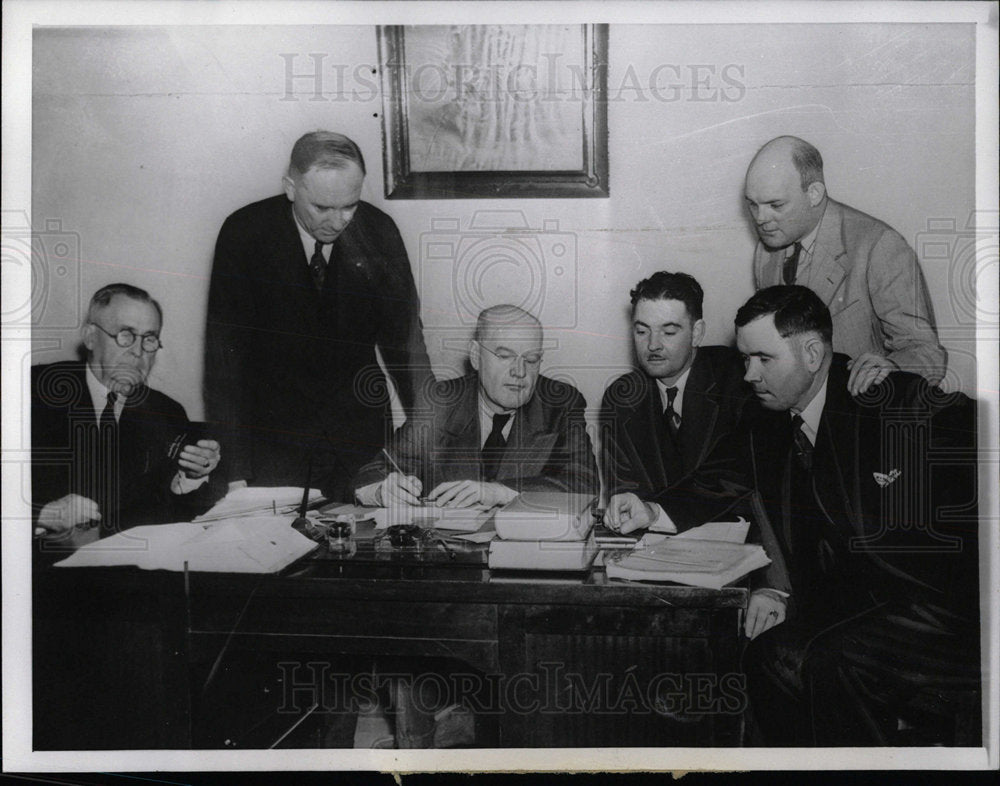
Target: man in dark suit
x: 483, y: 438
x: 867, y: 508
x: 659, y: 423
x: 105, y: 447
x: 304, y: 287
x: 860, y: 267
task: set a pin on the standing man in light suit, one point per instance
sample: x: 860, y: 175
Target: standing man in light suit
x: 861, y: 268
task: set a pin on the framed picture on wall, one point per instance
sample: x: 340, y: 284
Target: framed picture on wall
x: 474, y: 111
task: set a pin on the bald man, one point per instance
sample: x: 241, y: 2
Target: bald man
x: 861, y: 268
x: 485, y: 437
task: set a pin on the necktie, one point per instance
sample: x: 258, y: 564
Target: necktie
x: 494, y: 447
x: 317, y: 266
x: 108, y: 413
x: 803, y: 447
x: 791, y: 267
x: 670, y: 417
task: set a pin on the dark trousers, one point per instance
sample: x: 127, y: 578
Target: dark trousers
x: 847, y: 682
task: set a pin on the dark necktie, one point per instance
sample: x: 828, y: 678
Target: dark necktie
x: 803, y: 447
x: 108, y: 466
x: 670, y: 417
x: 317, y: 266
x: 494, y: 447
x: 791, y: 267
x: 108, y: 413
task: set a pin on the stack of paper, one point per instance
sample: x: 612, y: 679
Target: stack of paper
x: 699, y: 563
x: 542, y: 530
x: 258, y: 499
x: 255, y: 544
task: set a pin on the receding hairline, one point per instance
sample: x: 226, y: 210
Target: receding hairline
x: 506, y: 317
x: 797, y: 154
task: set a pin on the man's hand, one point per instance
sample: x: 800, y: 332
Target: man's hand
x: 626, y: 513
x: 765, y: 610
x: 466, y: 493
x: 197, y: 461
x: 400, y: 489
x: 867, y: 370
x: 60, y: 516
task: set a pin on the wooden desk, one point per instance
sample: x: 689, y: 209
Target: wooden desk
x: 121, y: 654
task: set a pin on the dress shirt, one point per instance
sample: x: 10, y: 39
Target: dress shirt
x: 486, y: 422
x: 812, y: 413
x: 181, y: 484
x: 808, y: 244
x: 309, y: 243
x: 679, y: 400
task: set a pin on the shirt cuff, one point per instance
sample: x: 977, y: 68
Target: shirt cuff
x: 368, y: 495
x: 663, y: 522
x: 182, y: 484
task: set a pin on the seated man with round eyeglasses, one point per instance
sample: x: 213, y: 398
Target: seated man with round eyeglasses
x: 481, y: 439
x: 107, y: 449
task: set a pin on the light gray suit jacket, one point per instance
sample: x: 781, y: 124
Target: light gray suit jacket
x: 870, y: 279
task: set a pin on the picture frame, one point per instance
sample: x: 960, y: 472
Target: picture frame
x: 494, y: 111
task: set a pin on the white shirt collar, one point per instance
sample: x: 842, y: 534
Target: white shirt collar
x: 680, y: 384
x: 309, y: 242
x: 99, y: 396
x: 813, y: 412
x: 486, y: 421
x: 808, y: 241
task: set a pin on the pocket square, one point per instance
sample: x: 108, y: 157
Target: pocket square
x: 885, y: 480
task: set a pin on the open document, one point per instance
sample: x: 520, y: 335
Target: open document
x: 252, y: 544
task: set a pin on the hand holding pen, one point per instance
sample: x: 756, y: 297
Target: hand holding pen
x: 399, y: 488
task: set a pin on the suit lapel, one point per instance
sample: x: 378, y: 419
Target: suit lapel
x: 700, y: 411
x: 644, y: 430
x: 835, y: 453
x: 829, y: 262
x: 529, y: 445
x: 457, y: 452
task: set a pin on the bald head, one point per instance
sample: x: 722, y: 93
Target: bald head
x: 506, y: 351
x: 784, y: 190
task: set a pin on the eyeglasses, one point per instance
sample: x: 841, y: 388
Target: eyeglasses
x: 508, y: 358
x: 126, y: 337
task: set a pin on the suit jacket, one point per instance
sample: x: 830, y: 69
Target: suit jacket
x: 66, y: 457
x: 893, y: 487
x: 870, y: 279
x: 548, y: 447
x: 293, y: 370
x: 636, y: 452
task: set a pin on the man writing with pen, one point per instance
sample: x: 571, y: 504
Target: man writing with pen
x: 481, y: 439
x: 478, y: 441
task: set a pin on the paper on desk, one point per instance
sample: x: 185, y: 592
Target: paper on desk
x: 725, y: 531
x: 257, y: 499
x: 455, y: 519
x: 252, y: 544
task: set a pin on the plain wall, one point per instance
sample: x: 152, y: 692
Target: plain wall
x: 145, y: 139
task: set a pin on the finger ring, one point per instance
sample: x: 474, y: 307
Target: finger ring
x: 772, y: 614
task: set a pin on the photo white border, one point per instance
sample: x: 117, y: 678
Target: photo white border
x: 19, y: 17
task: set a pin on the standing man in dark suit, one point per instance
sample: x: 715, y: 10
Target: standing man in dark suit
x: 659, y: 423
x: 305, y: 286
x: 483, y: 438
x: 868, y: 512
x: 102, y: 441
x: 861, y: 268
